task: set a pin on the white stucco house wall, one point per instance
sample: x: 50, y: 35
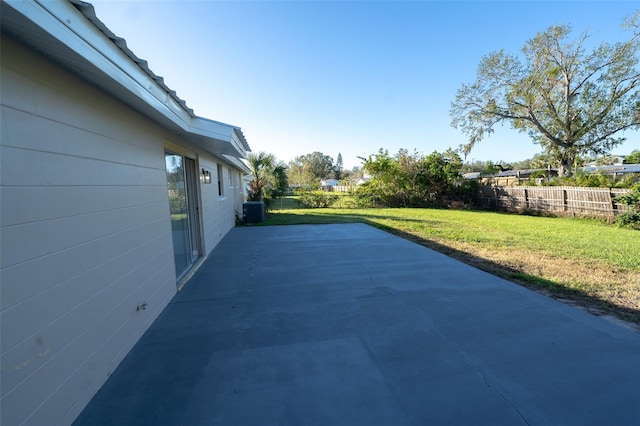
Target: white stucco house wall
x: 329, y: 182
x: 105, y: 205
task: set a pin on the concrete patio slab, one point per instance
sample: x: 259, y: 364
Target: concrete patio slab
x: 349, y: 325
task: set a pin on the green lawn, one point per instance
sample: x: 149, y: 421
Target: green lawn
x: 588, y: 261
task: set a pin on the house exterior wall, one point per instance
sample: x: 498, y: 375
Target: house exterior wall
x: 219, y: 212
x: 85, y: 235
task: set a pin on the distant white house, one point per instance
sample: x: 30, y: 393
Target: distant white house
x: 614, y: 170
x: 112, y: 193
x: 472, y: 175
x: 614, y: 160
x: 329, y: 182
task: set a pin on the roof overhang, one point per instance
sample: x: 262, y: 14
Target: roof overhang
x: 240, y: 164
x: 69, y: 33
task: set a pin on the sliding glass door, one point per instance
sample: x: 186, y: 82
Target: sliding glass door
x: 183, y: 204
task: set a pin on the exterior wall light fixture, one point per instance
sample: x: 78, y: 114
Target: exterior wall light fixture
x: 206, y: 176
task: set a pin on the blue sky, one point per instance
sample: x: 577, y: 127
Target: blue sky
x: 344, y: 77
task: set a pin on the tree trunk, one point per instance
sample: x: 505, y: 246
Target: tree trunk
x: 566, y: 167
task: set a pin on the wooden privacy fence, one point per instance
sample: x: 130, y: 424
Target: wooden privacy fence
x: 561, y: 200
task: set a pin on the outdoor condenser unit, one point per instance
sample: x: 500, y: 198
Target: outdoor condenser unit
x: 253, y: 211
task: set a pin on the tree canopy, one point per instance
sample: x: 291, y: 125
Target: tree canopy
x: 633, y: 158
x: 338, y: 167
x: 569, y: 100
x: 309, y: 169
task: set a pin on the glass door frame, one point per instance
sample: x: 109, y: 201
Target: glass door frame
x: 194, y: 231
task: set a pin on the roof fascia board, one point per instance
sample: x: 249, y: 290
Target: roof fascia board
x: 205, y: 126
x: 230, y: 133
x: 66, y: 24
x: 238, y: 163
x: 63, y: 22
x: 241, y: 139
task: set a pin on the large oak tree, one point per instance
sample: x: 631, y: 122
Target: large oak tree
x: 570, y: 100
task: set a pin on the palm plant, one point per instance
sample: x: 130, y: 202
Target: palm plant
x: 269, y: 178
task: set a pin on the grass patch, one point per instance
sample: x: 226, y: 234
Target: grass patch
x: 590, y: 263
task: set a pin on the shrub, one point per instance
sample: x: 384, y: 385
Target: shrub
x: 465, y: 191
x: 410, y: 179
x: 316, y: 199
x: 632, y: 218
x: 629, y: 219
x: 372, y: 195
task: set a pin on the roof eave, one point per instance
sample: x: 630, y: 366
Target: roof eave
x: 71, y: 35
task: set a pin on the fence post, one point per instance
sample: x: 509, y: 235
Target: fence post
x: 526, y: 198
x: 611, y: 204
x: 565, y: 202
